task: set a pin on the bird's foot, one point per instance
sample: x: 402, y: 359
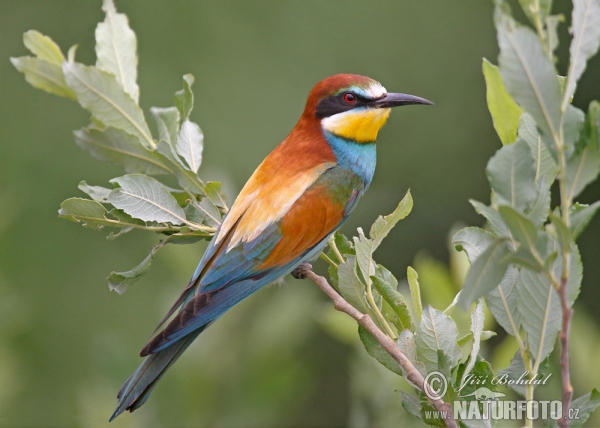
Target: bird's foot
x: 300, y: 271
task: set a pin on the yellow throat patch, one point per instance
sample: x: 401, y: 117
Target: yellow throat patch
x: 361, y: 126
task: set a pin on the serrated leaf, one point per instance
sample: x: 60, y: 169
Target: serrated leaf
x: 493, y: 217
x: 119, y: 148
x: 520, y: 227
x: 203, y: 212
x: 415, y: 291
x: 97, y: 193
x: 473, y: 241
x: 512, y: 175
x: 383, y: 225
x: 586, y: 39
x: 213, y: 191
x: 145, y: 198
x: 187, y: 179
x: 502, y: 302
x: 395, y: 300
x: 485, y: 273
x: 167, y: 122
x: 43, y: 47
x: 581, y: 216
x: 540, y: 206
x: 585, y: 406
x: 364, y: 254
x: 562, y: 231
x: 377, y: 351
x: 543, y: 162
x: 90, y: 213
x: 44, y: 75
x: 190, y: 142
x: 528, y: 74
x: 119, y: 281
x: 99, y: 92
x: 572, y: 123
x: 505, y: 112
x: 552, y: 23
x: 350, y: 286
x: 116, y: 49
x: 582, y: 169
x: 477, y: 319
x: 184, y: 99
x: 406, y: 344
x: 437, y: 332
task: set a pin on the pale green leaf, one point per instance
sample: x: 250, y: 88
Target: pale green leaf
x: 485, y: 273
x: 586, y: 39
x: 350, y: 286
x: 99, y: 92
x: 145, y: 198
x: 116, y: 49
x: 406, y: 344
x: 540, y: 206
x: 477, y: 319
x: 581, y: 214
x: 585, y: 406
x: 415, y: 291
x: 184, y: 99
x: 473, y: 241
x: 187, y: 179
x: 383, y: 225
x: 573, y: 123
x: 214, y: 193
x: 119, y: 281
x: 502, y: 302
x: 536, y: 9
x: 552, y: 22
x: 167, y: 122
x: 543, y: 161
x: 511, y: 175
x: 377, y: 351
x: 43, y: 47
x: 528, y: 74
x: 120, y: 148
x: 437, y: 332
x: 493, y: 217
x: 582, y: 169
x: 520, y: 227
x: 394, y: 299
x: 85, y: 211
x: 97, y: 193
x: 190, y: 142
x: 44, y: 75
x: 562, y: 231
x: 505, y: 112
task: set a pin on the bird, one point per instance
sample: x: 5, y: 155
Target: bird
x: 301, y: 193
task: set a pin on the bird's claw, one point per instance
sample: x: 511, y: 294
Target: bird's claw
x: 300, y: 271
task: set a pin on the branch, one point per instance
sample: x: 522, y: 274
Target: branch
x: 567, y: 388
x: 412, y: 374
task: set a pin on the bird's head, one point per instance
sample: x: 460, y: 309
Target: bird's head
x: 354, y: 107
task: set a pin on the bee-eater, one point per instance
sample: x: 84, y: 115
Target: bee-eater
x: 298, y: 196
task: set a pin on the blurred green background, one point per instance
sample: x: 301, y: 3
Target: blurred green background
x: 284, y: 357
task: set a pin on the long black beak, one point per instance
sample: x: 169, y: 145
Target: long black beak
x: 395, y: 100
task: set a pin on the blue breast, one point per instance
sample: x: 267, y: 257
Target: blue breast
x: 359, y: 157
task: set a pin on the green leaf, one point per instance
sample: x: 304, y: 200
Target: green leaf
x: 582, y: 169
x: 573, y: 123
x: 505, y: 112
x: 502, y: 302
x: 477, y: 319
x: 90, y: 213
x: 190, y: 142
x: 562, y: 231
x: 44, y: 75
x: 350, y: 286
x: 485, y: 273
x: 528, y: 74
x: 581, y: 214
x: 473, y: 241
x: 184, y: 99
x: 383, y: 225
x: 512, y: 175
x: 203, y: 212
x: 522, y: 229
x: 99, y: 92
x: 586, y: 39
x: 43, y: 47
x: 437, y: 332
x: 377, y: 351
x: 415, y: 291
x: 585, y: 406
x: 493, y: 217
x: 532, y: 12
x: 97, y: 193
x: 167, y: 122
x: 213, y: 191
x: 394, y: 299
x: 145, y: 198
x: 119, y: 281
x: 411, y: 404
x: 406, y: 344
x: 116, y: 49
x: 540, y: 206
x: 187, y: 179
x: 120, y: 148
x: 543, y: 161
x: 516, y: 370
x: 552, y: 23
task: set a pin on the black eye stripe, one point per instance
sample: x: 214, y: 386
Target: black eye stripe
x: 336, y: 104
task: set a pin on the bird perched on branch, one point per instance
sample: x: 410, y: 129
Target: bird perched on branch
x: 298, y: 196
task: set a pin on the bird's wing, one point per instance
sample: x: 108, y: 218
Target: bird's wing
x: 249, y: 251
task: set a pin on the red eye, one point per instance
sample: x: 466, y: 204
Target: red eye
x: 349, y: 97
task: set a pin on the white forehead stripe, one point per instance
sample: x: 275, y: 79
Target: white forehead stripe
x: 374, y: 90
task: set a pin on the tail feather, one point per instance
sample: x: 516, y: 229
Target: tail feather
x: 137, y: 388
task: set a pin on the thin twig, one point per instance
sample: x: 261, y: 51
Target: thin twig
x: 412, y: 374
x: 567, y: 388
